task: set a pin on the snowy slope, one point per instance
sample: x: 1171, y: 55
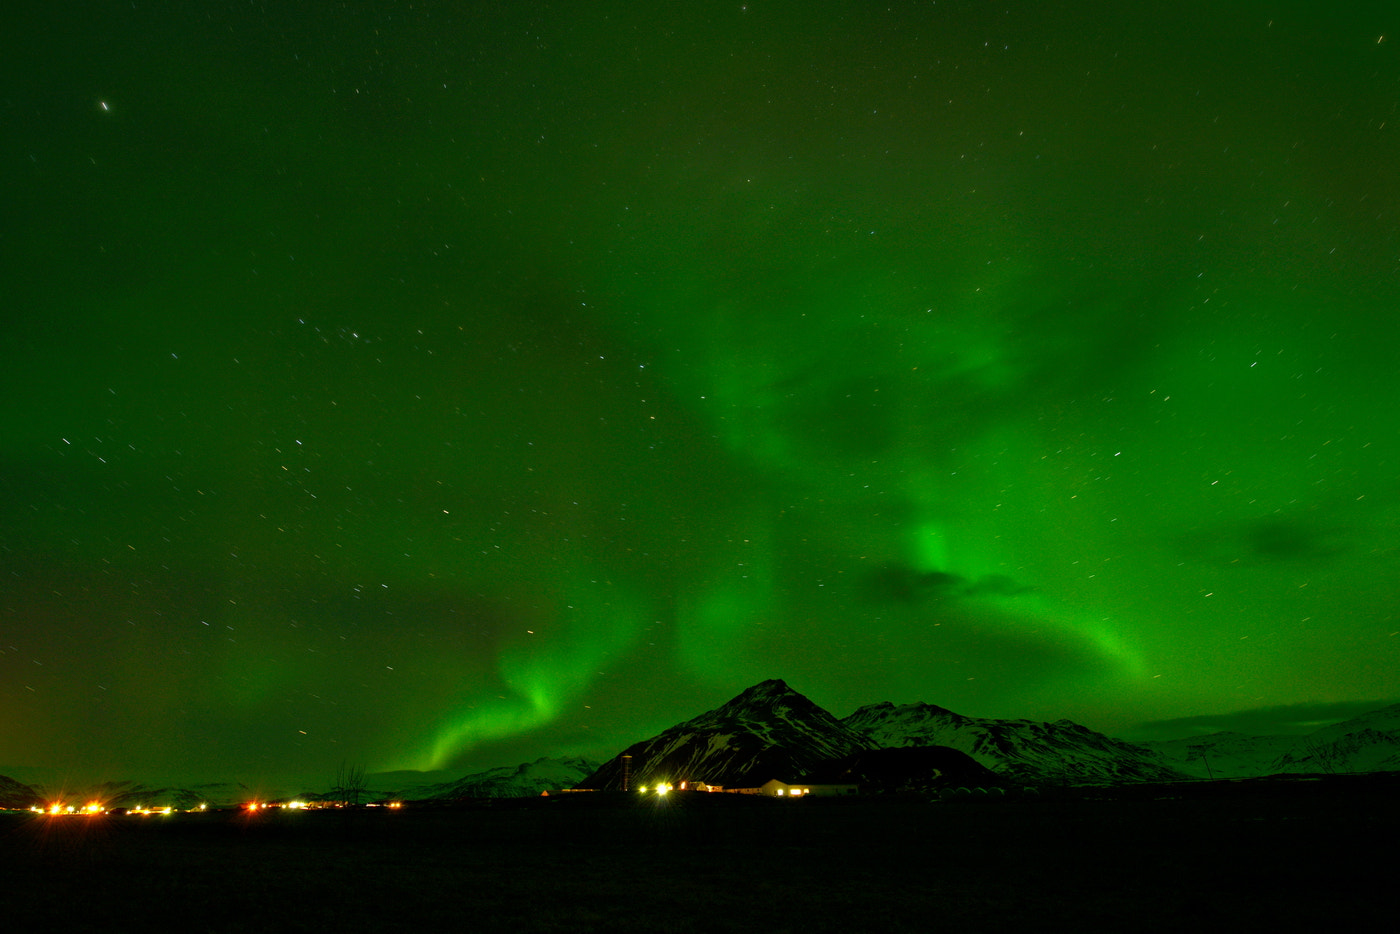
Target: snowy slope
x: 1223, y: 755
x: 1062, y: 752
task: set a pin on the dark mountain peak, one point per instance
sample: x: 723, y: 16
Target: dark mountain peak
x: 772, y: 696
x: 883, y: 706
x: 773, y: 687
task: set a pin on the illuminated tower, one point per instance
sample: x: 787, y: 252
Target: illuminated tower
x: 626, y: 771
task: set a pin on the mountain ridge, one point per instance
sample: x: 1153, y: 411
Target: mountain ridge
x: 1034, y: 752
x: 769, y: 731
x: 1368, y: 742
x: 773, y: 731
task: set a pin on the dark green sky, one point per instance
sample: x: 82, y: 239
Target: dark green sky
x: 455, y: 383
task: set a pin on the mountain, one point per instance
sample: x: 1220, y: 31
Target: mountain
x: 526, y: 780
x: 1062, y: 752
x: 768, y: 731
x: 1366, y: 743
x: 14, y: 794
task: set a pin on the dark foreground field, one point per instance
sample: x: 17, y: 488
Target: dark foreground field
x: 1295, y: 856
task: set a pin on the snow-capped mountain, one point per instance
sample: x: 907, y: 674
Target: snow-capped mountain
x: 1062, y: 752
x: 1366, y: 743
x: 768, y: 731
x: 526, y: 780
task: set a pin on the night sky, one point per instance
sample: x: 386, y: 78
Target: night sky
x: 448, y: 384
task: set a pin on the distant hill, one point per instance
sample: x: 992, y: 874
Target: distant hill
x: 122, y: 794
x: 15, y: 794
x: 526, y: 780
x: 1366, y: 743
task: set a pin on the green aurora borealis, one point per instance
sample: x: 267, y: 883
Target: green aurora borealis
x: 456, y: 383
